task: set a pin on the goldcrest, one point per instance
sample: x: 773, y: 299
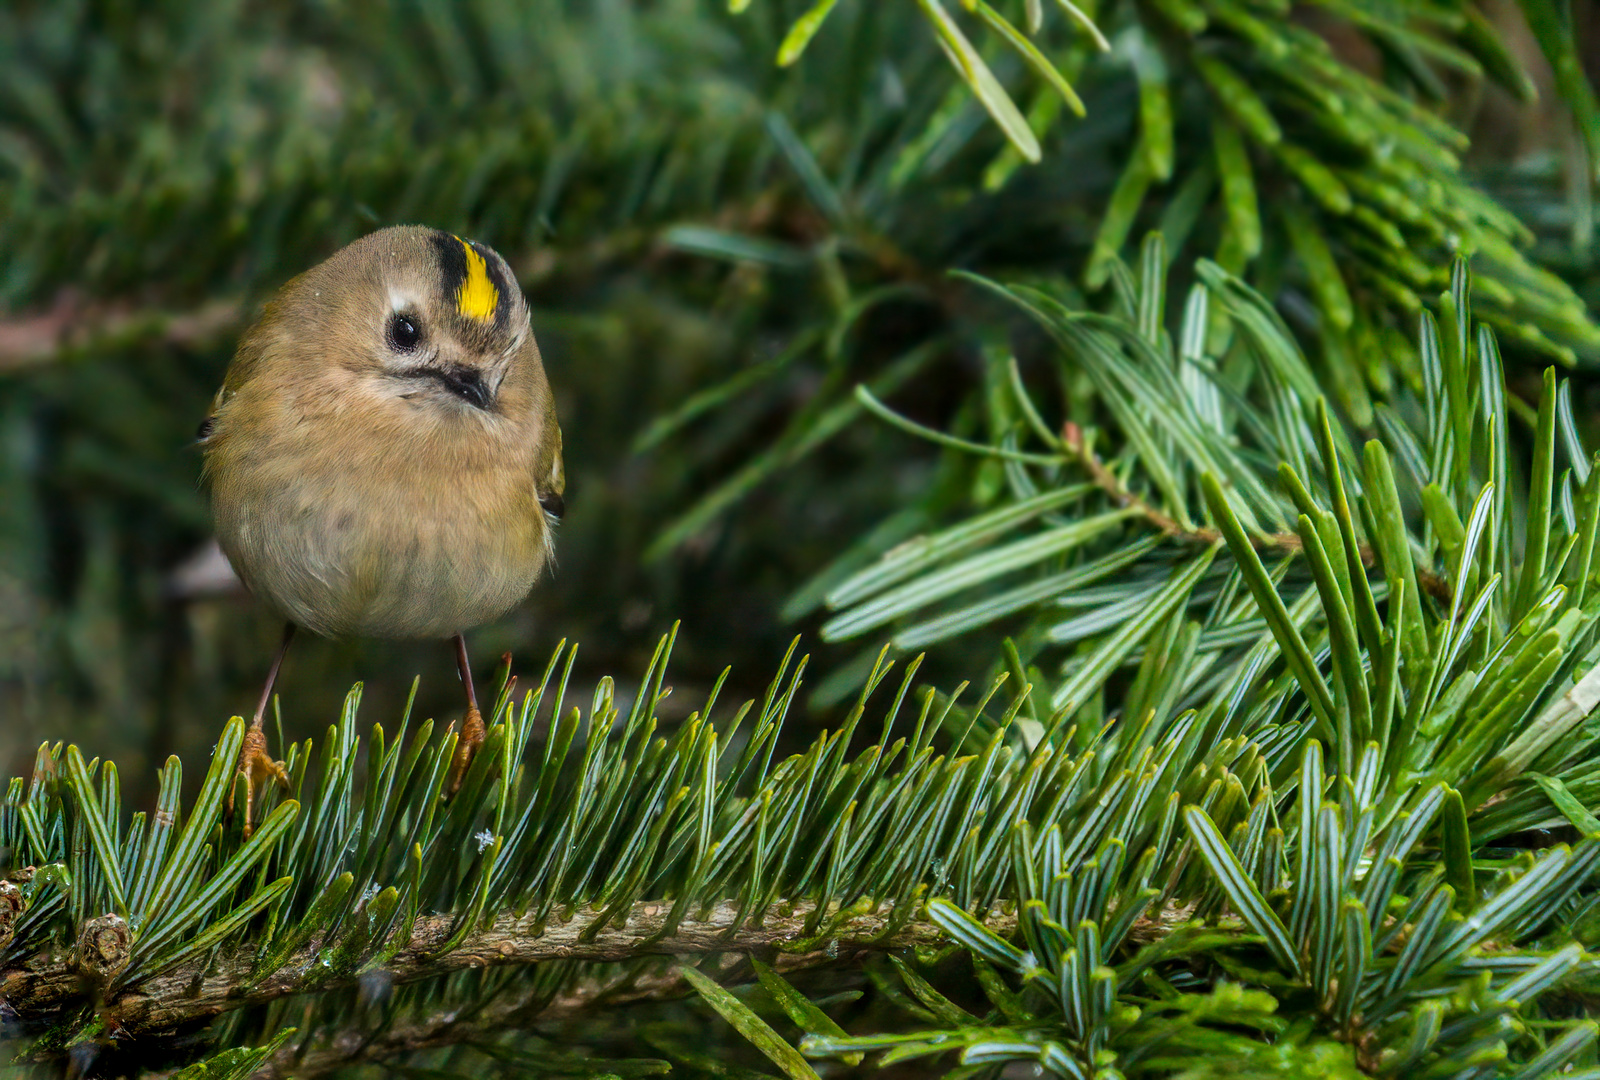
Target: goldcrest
x: 383, y: 457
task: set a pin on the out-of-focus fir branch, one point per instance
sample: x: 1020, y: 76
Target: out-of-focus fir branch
x: 29, y: 341
x: 447, y: 1026
x: 74, y: 326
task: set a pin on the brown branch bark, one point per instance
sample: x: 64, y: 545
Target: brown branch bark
x: 307, y: 1056
x: 49, y: 985
x: 312, y: 1053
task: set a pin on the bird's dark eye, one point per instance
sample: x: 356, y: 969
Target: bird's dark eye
x: 403, y: 332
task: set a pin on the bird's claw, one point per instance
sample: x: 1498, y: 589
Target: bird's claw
x: 256, y: 766
x: 472, y: 736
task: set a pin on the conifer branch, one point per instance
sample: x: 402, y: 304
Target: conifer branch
x: 70, y: 325
x: 206, y: 987
x: 1103, y: 478
x: 1281, y: 542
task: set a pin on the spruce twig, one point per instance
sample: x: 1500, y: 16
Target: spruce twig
x: 207, y: 986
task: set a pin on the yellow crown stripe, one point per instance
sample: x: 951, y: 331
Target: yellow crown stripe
x: 477, y: 297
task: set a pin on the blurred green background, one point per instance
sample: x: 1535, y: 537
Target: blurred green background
x: 687, y: 218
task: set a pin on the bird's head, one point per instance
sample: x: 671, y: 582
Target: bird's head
x: 413, y: 328
x: 422, y: 316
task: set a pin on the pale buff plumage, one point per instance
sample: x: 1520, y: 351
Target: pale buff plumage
x: 368, y: 482
x: 358, y: 501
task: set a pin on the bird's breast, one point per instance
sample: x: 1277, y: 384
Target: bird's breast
x: 380, y: 530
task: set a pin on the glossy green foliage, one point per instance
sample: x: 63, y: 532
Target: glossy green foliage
x: 1094, y: 561
x: 1249, y: 138
x: 1356, y: 892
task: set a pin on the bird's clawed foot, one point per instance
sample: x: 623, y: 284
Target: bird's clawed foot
x: 472, y: 736
x: 255, y: 766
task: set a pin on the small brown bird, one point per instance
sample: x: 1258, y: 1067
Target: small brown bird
x: 383, y: 456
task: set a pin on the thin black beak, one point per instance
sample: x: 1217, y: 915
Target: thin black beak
x: 465, y: 383
x: 468, y: 385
